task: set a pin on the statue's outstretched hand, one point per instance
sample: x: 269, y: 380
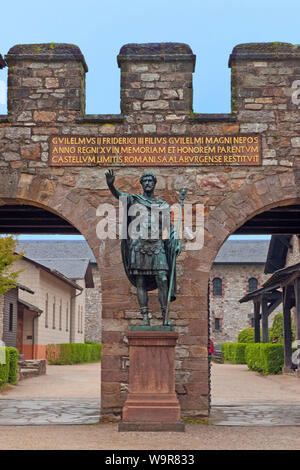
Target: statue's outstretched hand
x: 178, y: 248
x: 110, y: 177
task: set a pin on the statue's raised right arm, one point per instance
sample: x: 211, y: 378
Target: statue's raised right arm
x: 110, y: 179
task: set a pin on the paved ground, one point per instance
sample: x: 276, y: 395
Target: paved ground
x: 234, y: 384
x: 65, y: 395
x: 77, y: 381
x: 241, y: 400
x: 24, y: 412
x: 244, y: 398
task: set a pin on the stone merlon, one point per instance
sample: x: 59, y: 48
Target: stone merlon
x: 156, y: 52
x: 46, y: 53
x: 265, y: 51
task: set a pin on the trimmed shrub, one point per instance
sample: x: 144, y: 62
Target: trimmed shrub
x: 247, y: 335
x: 272, y: 358
x: 265, y: 358
x: 234, y: 352
x: 96, y: 349
x: 13, y: 365
x: 65, y: 354
x: 4, y: 369
x: 73, y: 353
x: 277, y: 328
x: 252, y: 355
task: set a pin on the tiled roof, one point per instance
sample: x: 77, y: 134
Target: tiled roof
x: 70, y: 257
x: 53, y: 249
x: 243, y: 252
x: 71, y: 268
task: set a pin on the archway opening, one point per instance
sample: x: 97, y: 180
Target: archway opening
x: 52, y: 316
x: 253, y: 290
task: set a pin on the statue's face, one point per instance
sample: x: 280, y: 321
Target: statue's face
x: 148, y: 183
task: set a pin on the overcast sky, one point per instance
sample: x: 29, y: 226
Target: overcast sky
x: 100, y: 28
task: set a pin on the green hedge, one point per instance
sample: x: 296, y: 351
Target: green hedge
x: 73, y: 353
x: 265, y: 358
x: 9, y: 370
x: 247, y: 335
x: 252, y: 355
x: 4, y: 369
x: 13, y: 365
x: 234, y: 352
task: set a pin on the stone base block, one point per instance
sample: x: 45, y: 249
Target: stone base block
x: 152, y: 401
x: 151, y: 407
x: 151, y: 427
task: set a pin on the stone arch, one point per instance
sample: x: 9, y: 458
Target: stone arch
x: 280, y: 189
x: 253, y: 198
x: 242, y: 205
x: 77, y: 208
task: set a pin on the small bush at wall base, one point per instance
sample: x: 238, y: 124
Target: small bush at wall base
x: 13, y: 365
x: 247, y: 335
x: 4, y: 369
x: 73, y: 353
x: 277, y: 328
x: 234, y: 352
x: 265, y: 358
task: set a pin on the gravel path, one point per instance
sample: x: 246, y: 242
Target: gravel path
x: 106, y: 437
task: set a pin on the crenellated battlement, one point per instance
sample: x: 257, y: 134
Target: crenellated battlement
x: 46, y: 83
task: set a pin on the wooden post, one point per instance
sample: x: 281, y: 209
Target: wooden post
x: 287, y: 330
x: 297, y: 307
x: 256, y: 322
x: 264, y: 316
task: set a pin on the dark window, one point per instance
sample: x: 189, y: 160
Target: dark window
x: 11, y: 317
x: 78, y: 326
x: 60, y: 314
x: 67, y: 317
x: 252, y: 322
x: 217, y: 323
x: 46, y: 311
x: 253, y: 284
x: 53, y: 315
x: 217, y: 286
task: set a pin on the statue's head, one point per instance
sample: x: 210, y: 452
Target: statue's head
x: 148, y: 179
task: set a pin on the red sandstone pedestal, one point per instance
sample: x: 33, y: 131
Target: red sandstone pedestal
x: 152, y: 404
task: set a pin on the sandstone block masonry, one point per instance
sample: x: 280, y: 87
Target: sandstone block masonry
x: 46, y: 94
x: 232, y: 317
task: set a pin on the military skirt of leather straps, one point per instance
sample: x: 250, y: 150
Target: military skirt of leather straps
x: 147, y: 257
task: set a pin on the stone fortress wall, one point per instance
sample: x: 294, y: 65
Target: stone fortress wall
x: 233, y: 316
x: 46, y: 96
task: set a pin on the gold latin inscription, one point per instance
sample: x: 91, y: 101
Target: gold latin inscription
x: 155, y: 150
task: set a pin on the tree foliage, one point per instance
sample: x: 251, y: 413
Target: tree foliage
x: 8, y: 255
